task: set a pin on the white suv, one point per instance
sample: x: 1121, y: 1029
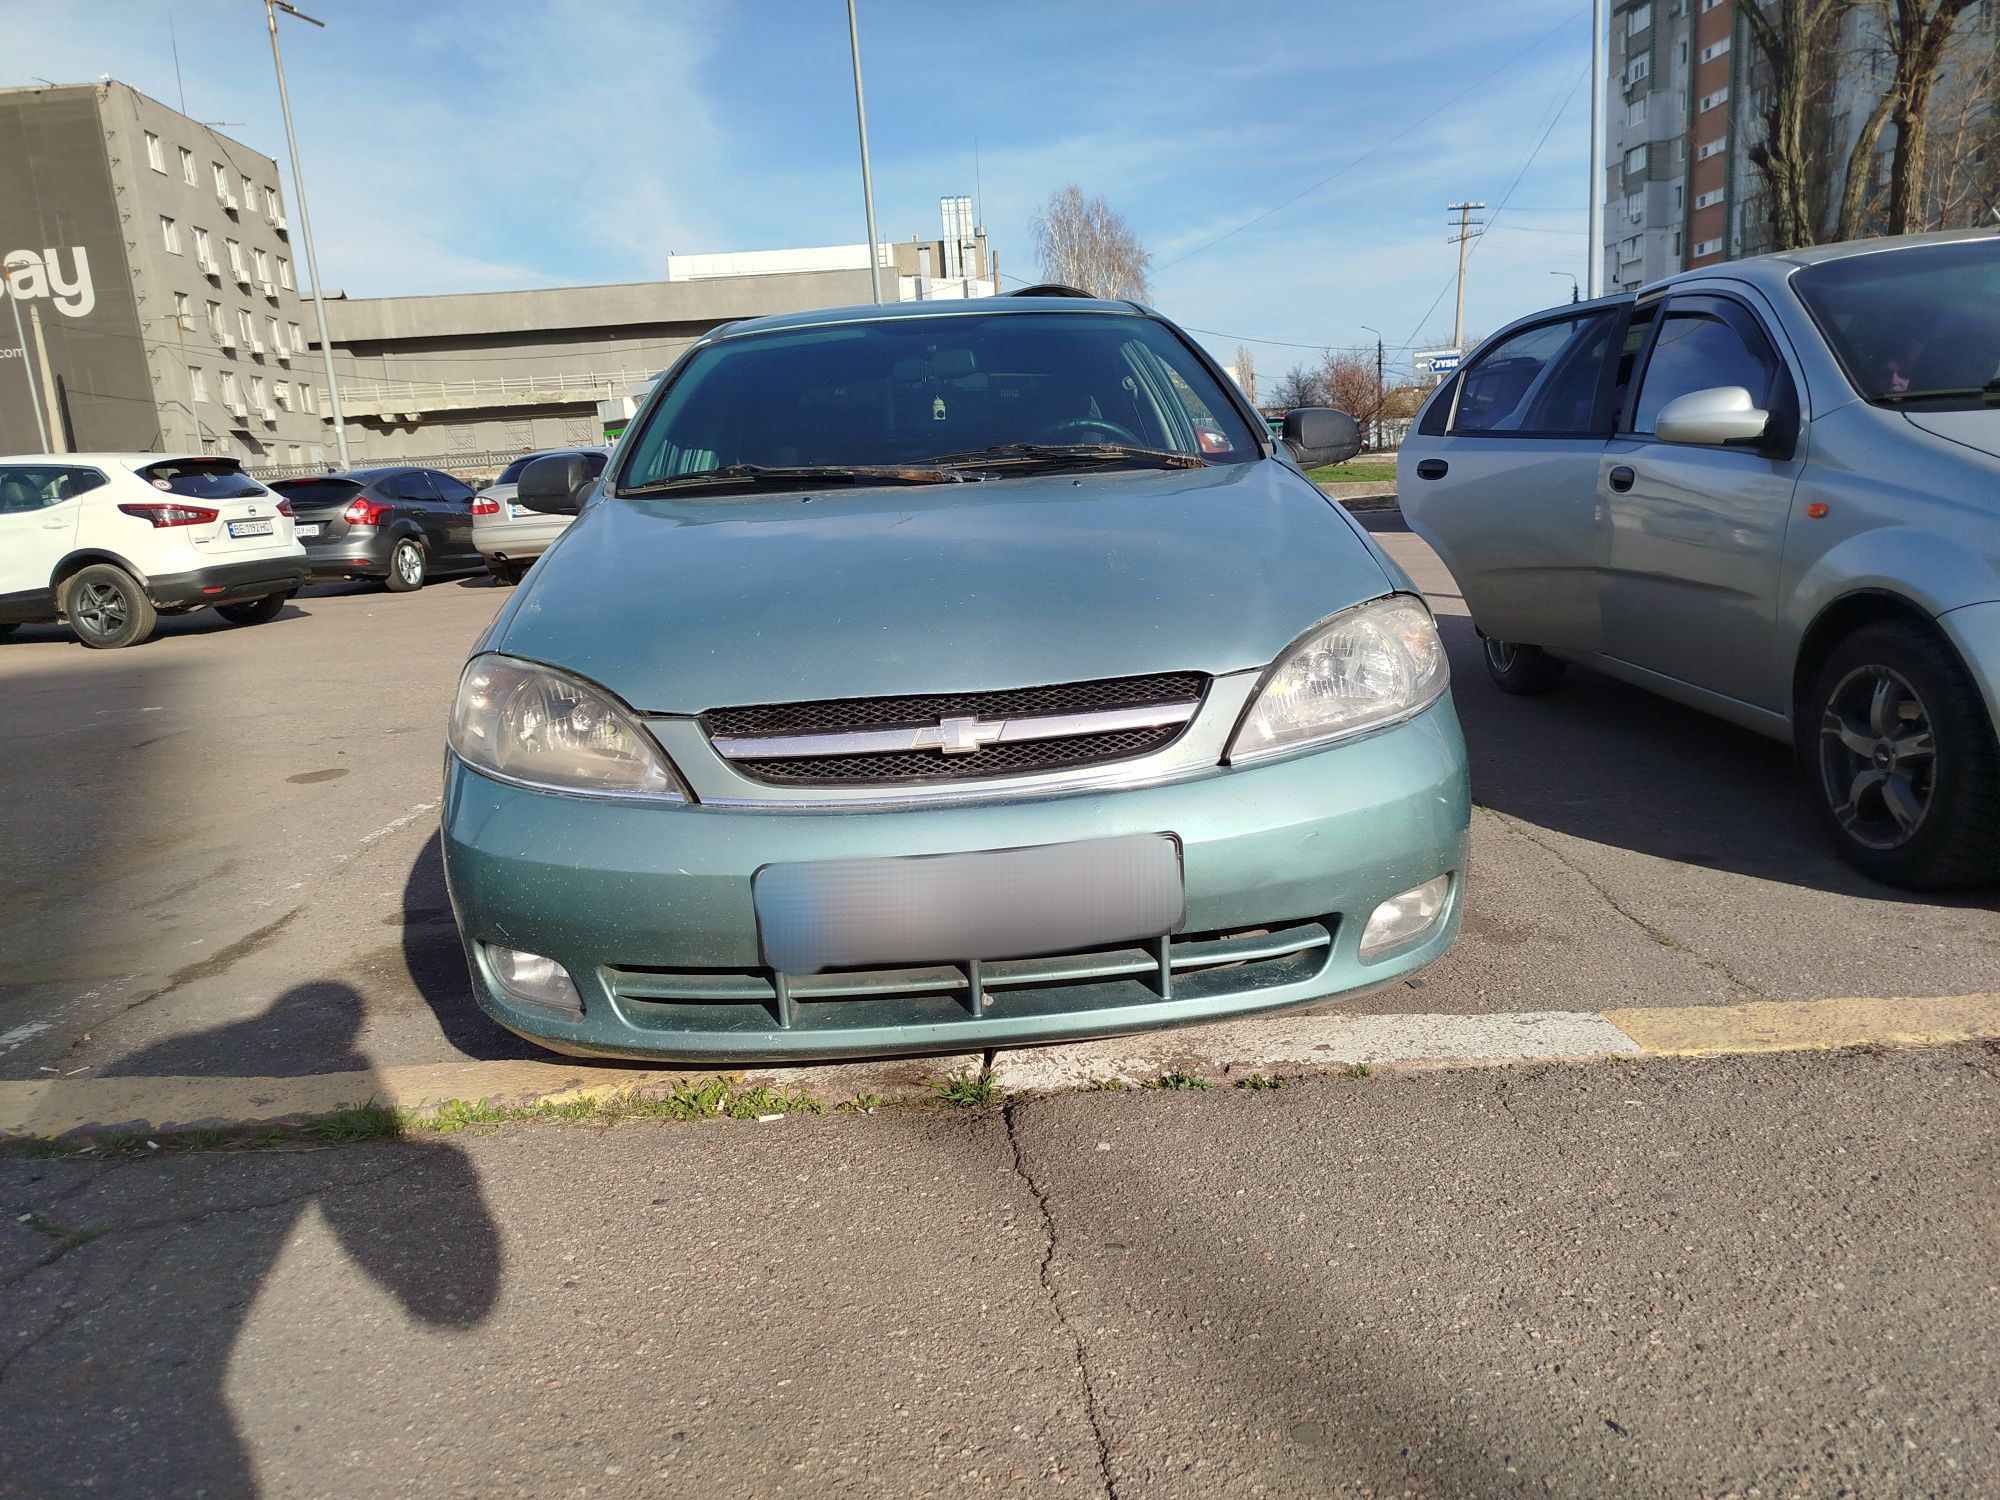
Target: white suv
x: 109, y: 541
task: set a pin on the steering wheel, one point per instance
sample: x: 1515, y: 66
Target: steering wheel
x: 1088, y: 429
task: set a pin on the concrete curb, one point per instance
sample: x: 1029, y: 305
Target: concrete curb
x: 1226, y: 1052
x: 1362, y: 496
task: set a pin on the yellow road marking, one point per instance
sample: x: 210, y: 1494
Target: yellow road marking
x: 1807, y: 1025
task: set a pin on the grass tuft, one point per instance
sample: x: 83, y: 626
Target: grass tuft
x: 1178, y: 1080
x: 967, y: 1090
x: 1360, y: 1070
x: 1258, y: 1081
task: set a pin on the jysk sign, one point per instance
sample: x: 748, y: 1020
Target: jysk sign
x: 1444, y: 364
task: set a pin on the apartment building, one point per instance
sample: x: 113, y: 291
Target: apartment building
x: 156, y: 256
x: 1672, y: 154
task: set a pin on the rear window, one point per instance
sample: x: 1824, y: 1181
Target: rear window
x: 317, y: 491
x: 201, y: 478
x: 514, y: 470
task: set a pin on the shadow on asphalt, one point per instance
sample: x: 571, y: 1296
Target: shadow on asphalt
x: 437, y: 1254
x: 1603, y: 761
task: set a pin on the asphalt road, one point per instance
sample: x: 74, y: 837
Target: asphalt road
x: 220, y: 854
x: 1751, y: 1276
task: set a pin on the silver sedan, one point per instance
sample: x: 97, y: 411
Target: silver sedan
x: 1769, y: 489
x: 508, y: 534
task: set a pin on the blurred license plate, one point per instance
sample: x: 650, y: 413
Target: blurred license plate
x: 312, y: 530
x: 250, y: 528
x: 518, y: 511
x: 944, y: 908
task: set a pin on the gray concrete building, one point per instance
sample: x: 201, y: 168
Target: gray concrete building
x: 152, y: 255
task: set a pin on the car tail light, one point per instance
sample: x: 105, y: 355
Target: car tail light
x: 285, y: 508
x: 486, y: 507
x: 168, y: 514
x: 363, y: 512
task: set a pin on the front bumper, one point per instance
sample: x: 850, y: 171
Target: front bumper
x: 614, y: 890
x: 227, y: 583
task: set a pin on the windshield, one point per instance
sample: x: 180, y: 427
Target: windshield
x: 1918, y: 327
x: 911, y: 391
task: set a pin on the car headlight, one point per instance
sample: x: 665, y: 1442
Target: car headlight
x: 1368, y: 666
x: 542, y: 728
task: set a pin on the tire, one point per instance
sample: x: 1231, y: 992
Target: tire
x: 1525, y: 671
x: 1902, y: 761
x: 106, y: 608
x: 509, y: 573
x: 408, y: 566
x: 8, y: 627
x: 254, y: 611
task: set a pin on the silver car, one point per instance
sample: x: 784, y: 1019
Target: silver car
x: 1771, y: 490
x: 509, y: 535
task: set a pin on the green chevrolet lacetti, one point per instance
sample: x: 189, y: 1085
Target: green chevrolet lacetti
x: 946, y: 676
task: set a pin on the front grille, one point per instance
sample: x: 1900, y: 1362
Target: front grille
x: 1187, y: 966
x: 833, y: 714
x: 905, y: 766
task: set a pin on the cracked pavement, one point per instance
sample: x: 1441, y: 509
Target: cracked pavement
x: 1744, y: 1275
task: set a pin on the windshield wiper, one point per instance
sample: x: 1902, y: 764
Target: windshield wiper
x: 1051, y: 455
x: 1989, y: 391
x: 800, y: 476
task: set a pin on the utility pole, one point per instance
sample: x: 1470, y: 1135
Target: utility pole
x: 55, y: 424
x: 1594, y: 242
x: 1375, y: 417
x: 27, y: 365
x: 271, y: 9
x: 867, y: 179
x: 1463, y: 238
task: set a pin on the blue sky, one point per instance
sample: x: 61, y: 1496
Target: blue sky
x: 454, y: 146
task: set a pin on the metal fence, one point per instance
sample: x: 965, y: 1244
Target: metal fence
x: 425, y: 394
x: 460, y: 464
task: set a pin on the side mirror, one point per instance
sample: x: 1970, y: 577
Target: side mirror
x: 1710, y: 418
x: 1319, y: 435
x: 555, y: 486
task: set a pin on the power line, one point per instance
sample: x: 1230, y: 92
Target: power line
x: 1372, y: 151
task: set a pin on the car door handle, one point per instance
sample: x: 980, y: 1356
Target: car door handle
x: 1433, y: 468
x: 1622, y: 478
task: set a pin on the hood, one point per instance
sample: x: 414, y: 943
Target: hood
x: 684, y: 605
x: 1974, y: 429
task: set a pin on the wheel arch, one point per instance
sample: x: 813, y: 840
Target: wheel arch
x: 1839, y: 619
x: 84, y: 557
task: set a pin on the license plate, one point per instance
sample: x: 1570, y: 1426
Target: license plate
x: 947, y: 908
x: 518, y: 511
x: 250, y: 528
x: 312, y: 530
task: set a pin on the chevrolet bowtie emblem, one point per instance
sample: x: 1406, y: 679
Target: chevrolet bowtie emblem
x: 959, y: 736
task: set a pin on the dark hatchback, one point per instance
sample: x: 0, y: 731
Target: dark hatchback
x: 395, y: 523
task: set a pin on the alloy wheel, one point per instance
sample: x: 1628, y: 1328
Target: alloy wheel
x: 101, y: 609
x: 1878, y: 757
x: 409, y: 563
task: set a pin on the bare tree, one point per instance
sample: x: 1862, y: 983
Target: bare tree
x: 1919, y: 32
x: 1246, y: 372
x: 1086, y: 243
x: 1298, y: 386
x: 1796, y: 40
x: 1347, y: 382
x: 1963, y: 166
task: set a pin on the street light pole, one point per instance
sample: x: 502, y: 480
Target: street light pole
x: 1375, y: 416
x: 271, y: 9
x: 27, y: 365
x: 1594, y: 272
x: 867, y: 178
x: 1574, y: 295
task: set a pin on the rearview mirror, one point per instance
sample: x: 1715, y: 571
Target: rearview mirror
x: 1319, y: 435
x: 1721, y: 414
x: 556, y: 486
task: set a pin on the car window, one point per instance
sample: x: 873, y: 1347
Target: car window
x: 1701, y: 346
x: 909, y: 389
x: 1916, y: 326
x: 451, y: 490
x: 25, y: 488
x: 411, y: 486
x: 201, y: 478
x: 1542, y: 381
x: 512, y: 472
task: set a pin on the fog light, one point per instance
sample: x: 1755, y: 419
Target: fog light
x: 1402, y: 918
x: 532, y: 979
